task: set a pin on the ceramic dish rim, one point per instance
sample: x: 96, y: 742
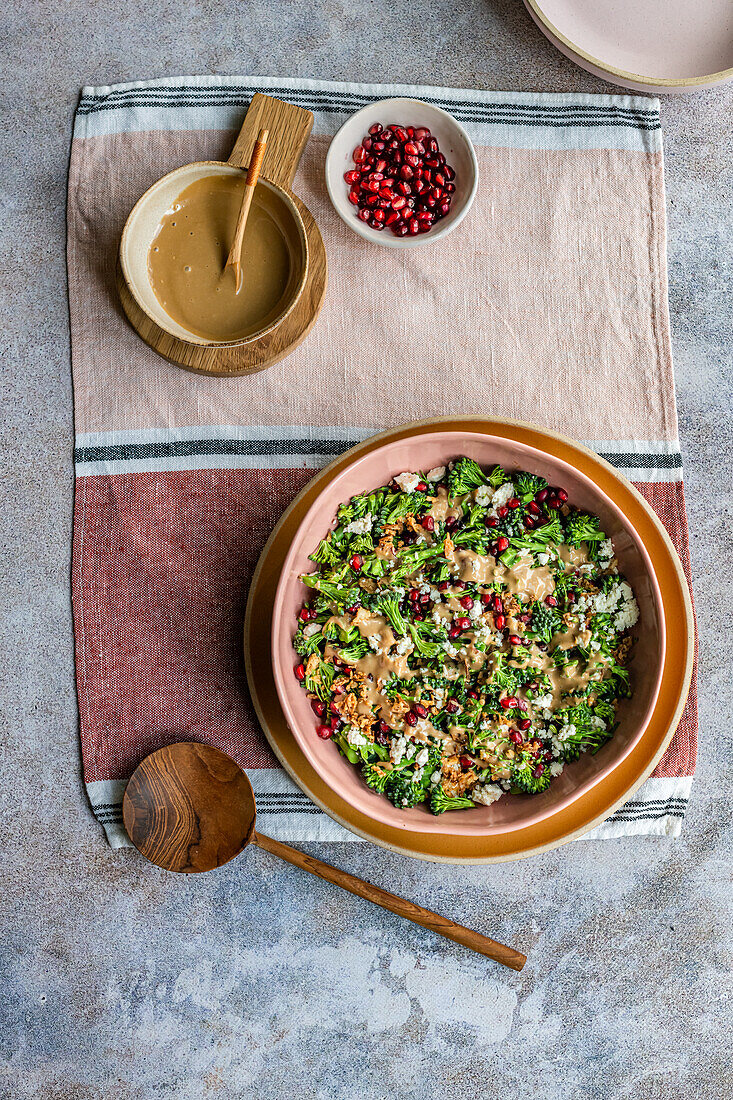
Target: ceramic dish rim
x: 389, y: 240
x: 668, y: 83
x: 280, y: 672
x: 192, y: 339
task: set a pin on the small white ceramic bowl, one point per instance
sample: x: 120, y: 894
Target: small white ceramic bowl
x: 143, y: 223
x: 454, y: 143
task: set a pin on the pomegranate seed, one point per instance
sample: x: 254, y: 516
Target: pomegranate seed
x: 514, y: 502
x: 356, y: 562
x: 472, y: 694
x: 411, y: 718
x: 375, y: 129
x: 452, y: 706
x: 521, y: 704
x: 359, y: 154
x: 337, y: 689
x: 534, y: 507
x: 523, y: 724
x: 333, y: 708
x: 413, y: 595
x: 486, y: 599
x: 516, y: 737
x: 542, y: 495
x: 364, y: 214
x: 491, y: 521
x: 502, y: 543
x: 379, y: 215
x: 463, y: 623
x: 319, y: 707
x: 425, y: 599
x: 525, y: 617
x: 384, y: 728
x: 529, y: 522
x: 552, y: 502
x: 451, y: 523
x: 502, y: 512
x: 538, y: 771
x: 465, y: 761
x: 443, y: 586
x: 352, y: 177
x: 354, y: 198
x: 499, y: 621
x: 460, y: 585
x: 420, y: 710
x: 508, y: 702
x: 404, y: 188
x: 414, y: 226
x: 453, y: 632
x: 466, y: 602
x: 399, y: 203
x: 300, y: 672
x: 304, y: 614
x: 428, y: 523
x: 514, y: 639
x: 411, y: 148
x: 496, y: 603
x: 550, y: 601
x: 562, y: 496
x: 422, y: 133
x: 324, y: 731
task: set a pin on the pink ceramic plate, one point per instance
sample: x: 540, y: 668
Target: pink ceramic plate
x: 511, y: 812
x: 648, y: 45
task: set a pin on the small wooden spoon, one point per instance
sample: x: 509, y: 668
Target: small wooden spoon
x: 234, y: 259
x: 190, y: 808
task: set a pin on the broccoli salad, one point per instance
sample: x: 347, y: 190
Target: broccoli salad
x: 467, y: 635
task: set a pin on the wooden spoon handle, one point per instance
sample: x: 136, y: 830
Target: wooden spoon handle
x: 507, y: 956
x: 253, y: 174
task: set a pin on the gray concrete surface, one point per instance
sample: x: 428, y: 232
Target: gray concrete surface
x: 122, y: 982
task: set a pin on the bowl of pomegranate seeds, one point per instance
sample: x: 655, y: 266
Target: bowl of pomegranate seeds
x: 402, y: 173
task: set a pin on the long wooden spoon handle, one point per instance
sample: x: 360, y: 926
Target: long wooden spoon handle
x: 253, y: 173
x: 507, y: 956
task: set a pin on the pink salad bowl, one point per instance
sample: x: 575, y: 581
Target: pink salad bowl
x: 423, y: 453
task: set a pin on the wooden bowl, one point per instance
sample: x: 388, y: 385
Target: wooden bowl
x: 423, y: 451
x: 142, y: 225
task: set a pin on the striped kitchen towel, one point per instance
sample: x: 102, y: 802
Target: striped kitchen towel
x: 549, y: 304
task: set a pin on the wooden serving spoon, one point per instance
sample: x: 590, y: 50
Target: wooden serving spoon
x: 189, y: 807
x: 234, y: 259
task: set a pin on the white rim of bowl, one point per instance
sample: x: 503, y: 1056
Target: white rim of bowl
x: 389, y: 240
x: 200, y: 342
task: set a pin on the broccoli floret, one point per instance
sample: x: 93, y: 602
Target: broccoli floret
x: 376, y: 776
x: 496, y: 476
x: 527, y: 486
x: 583, y: 740
x: 402, y: 790
x: 305, y: 646
x: 325, y: 553
x: 524, y: 780
x: 390, y: 608
x: 545, y: 622
x: 440, y: 802
x: 580, y: 527
x: 465, y: 476
x: 320, y: 684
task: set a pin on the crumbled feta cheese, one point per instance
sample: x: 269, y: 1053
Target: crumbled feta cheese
x: 476, y: 611
x: 543, y: 700
x: 408, y: 482
x: 436, y: 473
x: 487, y: 793
x: 422, y: 758
x: 484, y: 495
x: 360, y: 526
x: 435, y: 778
x: 354, y: 737
x: 434, y: 595
x: 398, y: 749
x: 543, y: 559
x: 310, y: 629
x: 605, y: 550
x: 504, y: 493
x: 404, y: 646
x: 375, y: 641
x: 566, y: 731
x: 556, y: 767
